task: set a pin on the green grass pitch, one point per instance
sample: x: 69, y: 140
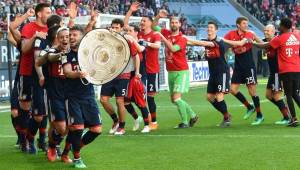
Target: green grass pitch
x: 205, y: 146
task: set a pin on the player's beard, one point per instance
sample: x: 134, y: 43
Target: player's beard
x: 75, y: 46
x: 174, y: 29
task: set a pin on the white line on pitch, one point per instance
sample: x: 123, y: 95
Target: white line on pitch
x: 170, y: 106
x: 2, y: 111
x: 191, y: 135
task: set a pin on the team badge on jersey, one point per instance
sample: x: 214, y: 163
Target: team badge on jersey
x: 37, y: 43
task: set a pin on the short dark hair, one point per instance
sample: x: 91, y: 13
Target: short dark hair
x: 53, y: 20
x: 77, y: 28
x: 135, y: 27
x: 52, y: 33
x: 118, y: 21
x: 213, y: 23
x: 149, y: 17
x: 39, y: 7
x: 286, y: 23
x: 240, y: 19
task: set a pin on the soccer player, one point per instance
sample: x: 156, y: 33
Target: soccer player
x: 117, y: 87
x: 287, y: 46
x: 81, y: 104
x: 54, y: 21
x: 14, y: 37
x: 274, y: 88
x: 151, y: 40
x: 28, y: 34
x: 40, y: 101
x: 244, y: 69
x: 136, y: 87
x: 177, y: 67
x: 218, y: 83
x: 59, y: 38
x: 42, y: 46
x: 138, y: 94
x: 15, y: 107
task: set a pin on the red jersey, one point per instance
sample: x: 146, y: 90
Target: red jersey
x: 133, y: 49
x: 287, y: 45
x: 131, y: 65
x: 176, y: 61
x: 235, y: 36
x: 26, y: 61
x: 152, y: 54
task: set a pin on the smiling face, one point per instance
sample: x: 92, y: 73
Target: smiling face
x: 146, y: 23
x: 44, y: 14
x: 63, y: 39
x: 269, y: 31
x: 243, y: 25
x: 211, y: 30
x: 116, y: 27
x: 75, y: 37
x: 175, y: 24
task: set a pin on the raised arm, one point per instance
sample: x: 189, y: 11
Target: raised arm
x: 92, y: 22
x: 72, y: 11
x: 200, y: 43
x: 161, y: 14
x: 11, y: 39
x: 13, y: 27
x: 133, y: 8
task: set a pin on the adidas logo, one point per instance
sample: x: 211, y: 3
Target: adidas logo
x: 292, y: 41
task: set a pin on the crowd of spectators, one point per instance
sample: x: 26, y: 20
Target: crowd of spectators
x: 186, y: 28
x: 117, y: 7
x: 271, y: 11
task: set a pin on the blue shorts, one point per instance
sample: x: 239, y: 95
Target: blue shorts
x: 274, y: 83
x: 117, y: 87
x: 25, y: 88
x: 14, y: 101
x: 57, y: 110
x: 152, y: 82
x: 218, y: 83
x: 83, y: 112
x: 39, y: 99
x: 244, y: 76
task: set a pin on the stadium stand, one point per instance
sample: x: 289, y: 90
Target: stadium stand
x: 270, y: 12
x: 197, y: 13
x: 116, y: 7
